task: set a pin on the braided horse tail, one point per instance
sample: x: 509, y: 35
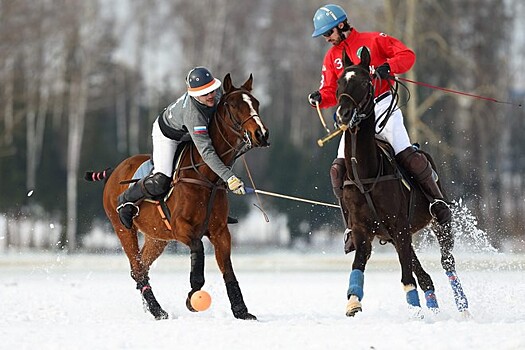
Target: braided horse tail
x: 98, y: 175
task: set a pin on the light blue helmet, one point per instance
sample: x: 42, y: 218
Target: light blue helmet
x: 326, y: 18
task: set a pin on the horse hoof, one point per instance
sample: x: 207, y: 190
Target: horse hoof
x: 188, y: 305
x: 353, y: 306
x: 246, y: 316
x: 466, y: 315
x: 162, y: 315
x: 415, y: 312
x: 435, y: 310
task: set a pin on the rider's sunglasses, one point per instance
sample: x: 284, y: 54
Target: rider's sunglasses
x: 328, y: 32
x: 209, y: 93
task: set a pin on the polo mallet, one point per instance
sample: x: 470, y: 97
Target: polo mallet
x: 327, y: 138
x: 321, y: 117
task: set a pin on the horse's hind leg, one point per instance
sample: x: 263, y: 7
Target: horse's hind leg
x: 140, y: 263
x: 425, y: 282
x: 197, y: 270
x: 406, y: 258
x: 222, y: 244
x: 445, y: 239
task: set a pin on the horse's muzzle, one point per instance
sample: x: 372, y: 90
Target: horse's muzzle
x: 261, y: 138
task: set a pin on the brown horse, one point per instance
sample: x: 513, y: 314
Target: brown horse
x: 381, y: 202
x: 198, y: 203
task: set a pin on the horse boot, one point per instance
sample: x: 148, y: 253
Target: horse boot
x: 148, y: 187
x: 417, y: 164
x: 337, y: 174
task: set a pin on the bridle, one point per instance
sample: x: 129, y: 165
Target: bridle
x: 363, y: 109
x: 235, y: 126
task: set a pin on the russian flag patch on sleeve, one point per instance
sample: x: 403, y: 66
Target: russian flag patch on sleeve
x: 200, y: 130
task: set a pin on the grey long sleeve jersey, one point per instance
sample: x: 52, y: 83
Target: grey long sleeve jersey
x: 185, y: 113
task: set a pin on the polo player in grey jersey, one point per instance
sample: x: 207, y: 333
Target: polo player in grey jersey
x: 183, y: 120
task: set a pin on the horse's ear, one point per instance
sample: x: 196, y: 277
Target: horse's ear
x: 347, y: 62
x: 365, y: 57
x: 227, y: 83
x: 248, y: 84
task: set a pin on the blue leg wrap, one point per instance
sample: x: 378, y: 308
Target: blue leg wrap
x: 459, y: 296
x: 431, y: 300
x: 356, y: 284
x: 413, y: 298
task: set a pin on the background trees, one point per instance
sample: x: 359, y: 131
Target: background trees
x: 82, y: 82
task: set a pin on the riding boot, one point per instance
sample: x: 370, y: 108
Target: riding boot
x: 337, y: 174
x: 417, y: 164
x: 149, y: 187
x: 127, y: 208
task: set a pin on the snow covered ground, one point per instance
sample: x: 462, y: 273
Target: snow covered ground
x: 50, y: 301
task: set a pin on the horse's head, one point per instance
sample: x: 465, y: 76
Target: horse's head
x: 355, y: 92
x: 240, y: 114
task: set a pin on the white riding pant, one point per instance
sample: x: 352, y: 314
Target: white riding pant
x: 163, y: 151
x: 394, y: 132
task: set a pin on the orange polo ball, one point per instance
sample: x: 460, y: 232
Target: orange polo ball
x: 200, y: 300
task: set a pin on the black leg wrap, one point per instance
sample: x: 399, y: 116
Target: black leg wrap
x: 197, y: 270
x: 239, y: 308
x: 196, y: 274
x: 150, y: 302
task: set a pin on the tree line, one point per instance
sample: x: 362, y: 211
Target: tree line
x: 83, y: 81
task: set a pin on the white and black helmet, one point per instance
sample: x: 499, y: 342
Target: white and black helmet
x: 201, y: 82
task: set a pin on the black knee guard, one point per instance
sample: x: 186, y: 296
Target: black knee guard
x: 337, y: 175
x: 157, y: 184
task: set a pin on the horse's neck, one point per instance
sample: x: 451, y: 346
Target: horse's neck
x: 365, y: 148
x: 221, y: 149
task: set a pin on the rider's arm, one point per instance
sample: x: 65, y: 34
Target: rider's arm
x: 198, y: 128
x: 328, y: 86
x: 399, y: 57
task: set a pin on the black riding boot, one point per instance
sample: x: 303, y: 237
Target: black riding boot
x: 127, y: 209
x: 149, y: 187
x: 419, y: 167
x: 337, y: 174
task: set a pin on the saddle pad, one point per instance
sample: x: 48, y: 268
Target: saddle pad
x: 143, y: 170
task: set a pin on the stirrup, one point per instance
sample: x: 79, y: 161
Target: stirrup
x: 435, y: 216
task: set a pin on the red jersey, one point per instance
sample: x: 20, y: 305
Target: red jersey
x: 383, y: 48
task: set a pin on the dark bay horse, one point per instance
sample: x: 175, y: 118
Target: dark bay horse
x: 198, y: 203
x: 382, y: 204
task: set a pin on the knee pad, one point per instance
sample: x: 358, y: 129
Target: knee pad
x: 337, y: 174
x: 157, y: 184
x: 416, y: 163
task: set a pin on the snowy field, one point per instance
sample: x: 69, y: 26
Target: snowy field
x: 51, y: 301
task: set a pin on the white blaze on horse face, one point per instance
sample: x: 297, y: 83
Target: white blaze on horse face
x: 349, y: 76
x: 253, y: 113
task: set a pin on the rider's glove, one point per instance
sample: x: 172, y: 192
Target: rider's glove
x: 314, y: 98
x: 236, y: 185
x: 383, y: 71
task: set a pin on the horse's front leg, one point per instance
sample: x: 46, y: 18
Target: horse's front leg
x: 197, y: 270
x: 221, y: 240
x: 363, y: 249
